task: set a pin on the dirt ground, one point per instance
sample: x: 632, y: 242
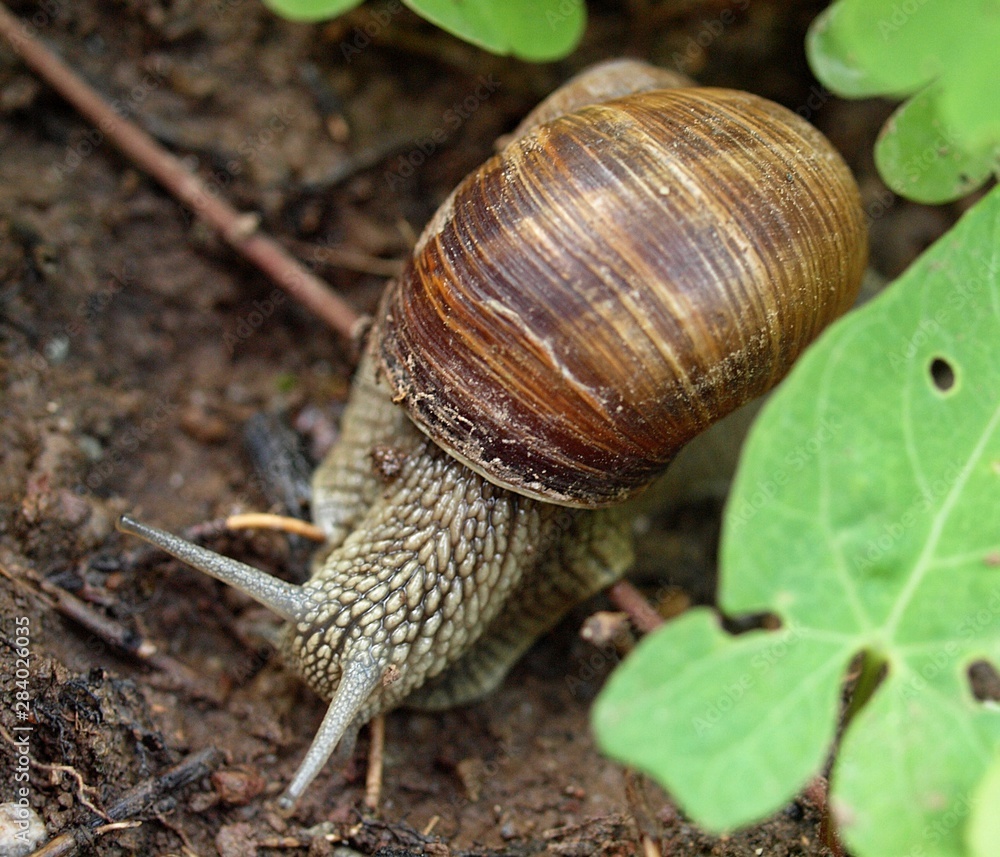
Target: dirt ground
x: 134, y: 347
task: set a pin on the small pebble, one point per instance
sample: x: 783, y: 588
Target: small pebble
x: 236, y: 840
x: 238, y: 786
x: 202, y: 426
x: 21, y: 830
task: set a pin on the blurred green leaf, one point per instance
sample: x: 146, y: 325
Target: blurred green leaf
x: 984, y: 822
x: 866, y: 517
x: 311, y: 10
x: 918, y: 157
x: 946, y: 141
x: 536, y: 30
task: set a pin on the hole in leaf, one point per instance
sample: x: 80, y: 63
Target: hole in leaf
x: 942, y: 374
x: 984, y: 681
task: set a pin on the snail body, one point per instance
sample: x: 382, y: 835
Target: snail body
x: 614, y: 281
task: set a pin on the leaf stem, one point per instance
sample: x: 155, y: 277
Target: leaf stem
x: 868, y: 680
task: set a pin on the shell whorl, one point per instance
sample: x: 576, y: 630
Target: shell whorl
x: 615, y: 281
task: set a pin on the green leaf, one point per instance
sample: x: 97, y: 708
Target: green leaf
x: 311, y: 10
x: 918, y: 157
x: 711, y: 730
x: 984, y: 824
x: 944, y: 51
x: 530, y: 29
x: 866, y: 517
x: 536, y: 30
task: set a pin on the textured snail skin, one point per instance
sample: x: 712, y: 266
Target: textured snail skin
x: 427, y: 566
x: 435, y: 577
x: 433, y: 580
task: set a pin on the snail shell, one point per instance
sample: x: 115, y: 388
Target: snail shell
x: 601, y: 82
x: 615, y: 281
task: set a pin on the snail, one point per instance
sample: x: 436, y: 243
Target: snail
x: 616, y: 279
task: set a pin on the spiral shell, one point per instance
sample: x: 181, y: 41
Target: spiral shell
x: 615, y: 281
x: 598, y: 83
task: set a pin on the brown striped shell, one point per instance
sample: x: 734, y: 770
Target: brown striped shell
x: 598, y: 83
x: 615, y: 281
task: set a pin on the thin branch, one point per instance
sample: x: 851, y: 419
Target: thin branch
x: 135, y: 801
x: 376, y: 762
x: 238, y: 230
x: 128, y: 641
x: 630, y: 600
x: 82, y: 788
x: 269, y: 521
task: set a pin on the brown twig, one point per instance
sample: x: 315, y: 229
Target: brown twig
x: 348, y: 259
x: 125, y: 640
x: 641, y: 811
x: 629, y: 599
x: 141, y: 797
x: 81, y: 787
x: 238, y: 230
x: 376, y: 761
x: 269, y: 521
x: 114, y: 633
x: 67, y: 843
x: 134, y: 801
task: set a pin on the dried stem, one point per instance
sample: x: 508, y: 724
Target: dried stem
x: 238, y: 230
x: 82, y: 789
x: 376, y: 762
x: 269, y: 521
x: 135, y: 801
x: 128, y: 641
x: 629, y: 599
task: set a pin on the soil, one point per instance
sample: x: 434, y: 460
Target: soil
x: 135, y: 347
